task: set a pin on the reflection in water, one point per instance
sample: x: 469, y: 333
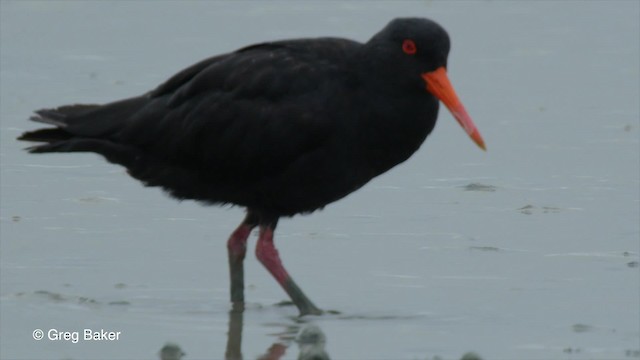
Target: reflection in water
x: 470, y: 356
x: 171, y: 351
x: 234, y: 336
x: 311, y: 340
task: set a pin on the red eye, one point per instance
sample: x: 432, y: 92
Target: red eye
x: 409, y: 47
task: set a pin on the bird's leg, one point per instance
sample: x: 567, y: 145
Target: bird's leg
x: 237, y: 248
x: 268, y: 256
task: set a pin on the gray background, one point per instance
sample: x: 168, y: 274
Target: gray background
x: 528, y: 251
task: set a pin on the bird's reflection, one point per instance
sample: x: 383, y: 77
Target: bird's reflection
x: 309, y: 337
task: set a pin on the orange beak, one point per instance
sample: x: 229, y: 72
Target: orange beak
x: 439, y: 85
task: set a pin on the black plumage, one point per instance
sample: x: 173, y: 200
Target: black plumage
x: 280, y: 128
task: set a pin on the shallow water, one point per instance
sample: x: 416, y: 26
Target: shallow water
x: 528, y: 251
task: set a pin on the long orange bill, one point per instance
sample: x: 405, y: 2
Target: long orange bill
x: 439, y: 85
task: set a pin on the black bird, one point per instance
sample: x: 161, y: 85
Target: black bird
x: 280, y: 128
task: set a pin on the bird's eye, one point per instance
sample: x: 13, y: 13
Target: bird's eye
x: 409, y: 47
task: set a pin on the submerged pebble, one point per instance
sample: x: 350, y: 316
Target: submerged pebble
x: 480, y: 187
x: 527, y: 209
x: 470, y: 356
x: 580, y: 328
x: 484, y: 248
x: 171, y: 351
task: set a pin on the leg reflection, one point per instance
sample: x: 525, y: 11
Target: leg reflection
x: 234, y: 335
x: 309, y: 337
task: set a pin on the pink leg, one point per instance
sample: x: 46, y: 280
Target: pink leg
x: 268, y: 256
x: 237, y: 248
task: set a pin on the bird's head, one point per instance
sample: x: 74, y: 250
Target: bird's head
x: 419, y: 47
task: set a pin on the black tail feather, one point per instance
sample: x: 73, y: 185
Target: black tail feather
x: 83, y: 120
x: 60, y: 115
x: 95, y: 129
x: 46, y: 135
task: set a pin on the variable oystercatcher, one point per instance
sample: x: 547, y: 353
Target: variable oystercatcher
x: 280, y: 128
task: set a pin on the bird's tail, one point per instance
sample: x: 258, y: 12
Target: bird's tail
x: 58, y: 117
x: 80, y: 122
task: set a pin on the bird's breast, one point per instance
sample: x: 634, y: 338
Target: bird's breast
x: 391, y: 133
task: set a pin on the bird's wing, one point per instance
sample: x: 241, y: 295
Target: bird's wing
x: 243, y: 115
x: 184, y: 76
